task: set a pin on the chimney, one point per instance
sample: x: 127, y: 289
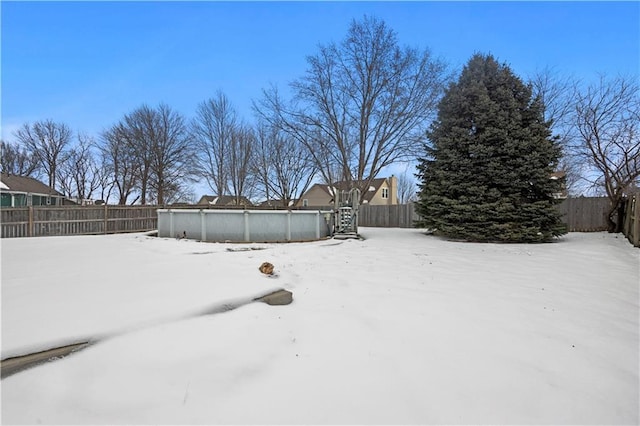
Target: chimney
x: 393, y: 190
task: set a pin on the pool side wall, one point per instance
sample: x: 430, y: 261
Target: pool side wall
x: 244, y: 225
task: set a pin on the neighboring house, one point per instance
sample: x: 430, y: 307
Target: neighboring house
x: 21, y: 191
x: 382, y: 191
x: 223, y: 200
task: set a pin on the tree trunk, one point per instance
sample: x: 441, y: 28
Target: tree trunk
x: 620, y: 223
x: 617, y: 210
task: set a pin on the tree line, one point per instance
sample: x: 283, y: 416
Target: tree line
x: 363, y: 104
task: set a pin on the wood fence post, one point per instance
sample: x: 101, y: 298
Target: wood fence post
x: 30, y: 230
x: 106, y: 217
x: 636, y: 220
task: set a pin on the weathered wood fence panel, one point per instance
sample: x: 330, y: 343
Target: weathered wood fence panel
x: 585, y: 214
x: 131, y: 219
x: 395, y: 216
x: 75, y: 220
x: 15, y: 222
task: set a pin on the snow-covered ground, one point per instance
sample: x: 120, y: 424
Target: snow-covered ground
x: 399, y: 328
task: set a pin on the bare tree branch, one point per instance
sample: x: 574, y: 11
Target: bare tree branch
x: 240, y: 159
x: 215, y: 122
x: 362, y: 105
x: 608, y: 125
x: 17, y: 160
x: 407, y: 190
x: 80, y: 175
x: 556, y: 92
x: 157, y: 143
x: 282, y: 165
x: 120, y: 162
x: 47, y: 141
x: 173, y: 163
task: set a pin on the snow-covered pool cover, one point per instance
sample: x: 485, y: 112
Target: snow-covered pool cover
x: 399, y: 328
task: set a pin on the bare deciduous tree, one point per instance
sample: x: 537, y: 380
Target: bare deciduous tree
x: 262, y: 166
x: 47, y: 141
x: 139, y: 129
x: 80, y: 175
x: 213, y: 127
x: 556, y: 92
x: 104, y: 179
x: 406, y: 187
x: 240, y: 159
x: 283, y: 166
x: 181, y: 193
x: 607, y: 119
x: 120, y: 162
x: 363, y: 104
x: 173, y: 164
x: 156, y: 141
x: 17, y: 160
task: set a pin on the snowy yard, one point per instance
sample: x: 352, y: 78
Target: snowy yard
x: 399, y: 328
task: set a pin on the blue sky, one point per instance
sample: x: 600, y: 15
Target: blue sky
x: 88, y: 63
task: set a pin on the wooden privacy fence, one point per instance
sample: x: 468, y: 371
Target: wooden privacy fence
x: 86, y: 220
x: 588, y: 214
x: 76, y: 220
x: 584, y: 214
x: 394, y: 216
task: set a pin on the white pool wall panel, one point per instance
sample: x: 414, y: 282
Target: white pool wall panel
x: 243, y: 225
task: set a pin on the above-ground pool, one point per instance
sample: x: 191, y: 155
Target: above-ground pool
x: 244, y: 225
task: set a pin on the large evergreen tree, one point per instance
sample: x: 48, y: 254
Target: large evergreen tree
x: 486, y: 173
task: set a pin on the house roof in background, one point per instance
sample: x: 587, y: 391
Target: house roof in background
x: 13, y: 183
x: 367, y: 196
x: 276, y: 203
x: 223, y: 200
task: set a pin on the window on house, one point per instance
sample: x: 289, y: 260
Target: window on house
x: 305, y: 203
x: 6, y: 200
x: 20, y: 200
x: 385, y: 192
